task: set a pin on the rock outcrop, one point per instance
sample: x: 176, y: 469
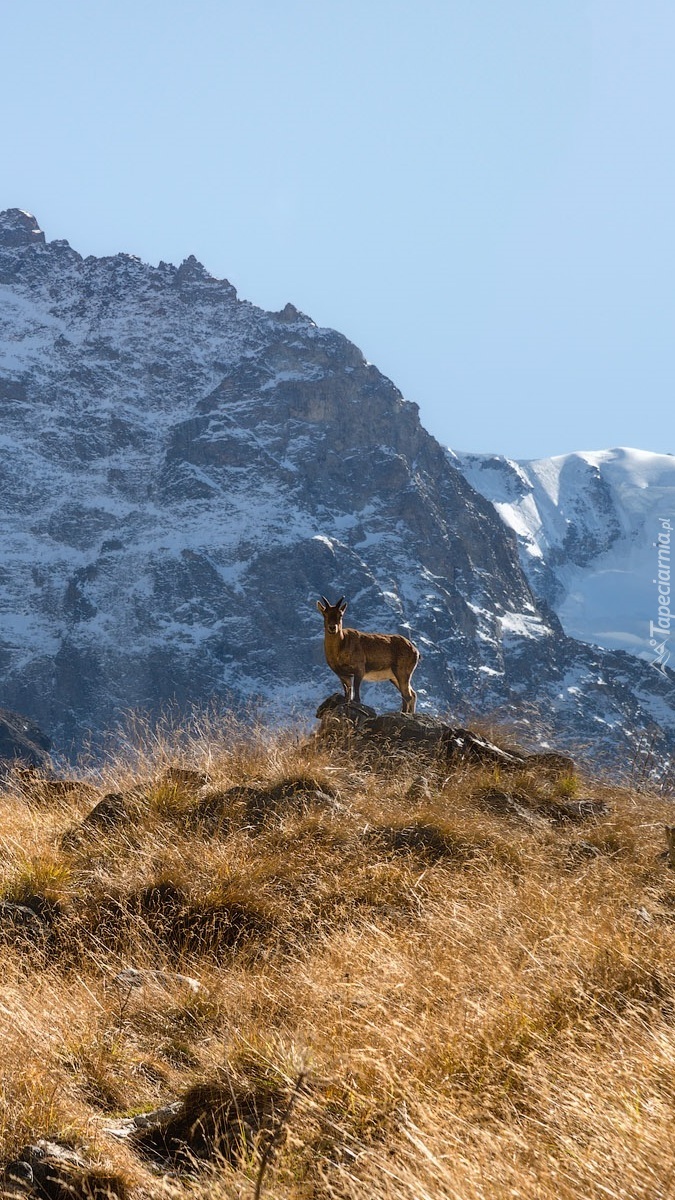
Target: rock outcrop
x: 393, y: 733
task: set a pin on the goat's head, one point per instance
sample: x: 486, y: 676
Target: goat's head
x: 332, y: 613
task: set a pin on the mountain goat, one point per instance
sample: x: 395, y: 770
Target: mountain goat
x: 355, y: 656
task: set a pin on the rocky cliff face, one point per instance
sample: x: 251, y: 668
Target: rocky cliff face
x: 182, y: 474
x: 21, y: 743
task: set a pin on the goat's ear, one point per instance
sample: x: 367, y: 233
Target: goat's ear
x: 320, y: 607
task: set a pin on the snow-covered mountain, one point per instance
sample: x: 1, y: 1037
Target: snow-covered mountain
x: 590, y: 527
x: 182, y: 474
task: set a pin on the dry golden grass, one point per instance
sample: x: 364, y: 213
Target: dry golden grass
x: 480, y: 1002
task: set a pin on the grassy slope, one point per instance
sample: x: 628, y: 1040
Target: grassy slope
x: 481, y: 1009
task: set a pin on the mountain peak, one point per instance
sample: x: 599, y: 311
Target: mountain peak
x: 19, y: 228
x: 191, y: 268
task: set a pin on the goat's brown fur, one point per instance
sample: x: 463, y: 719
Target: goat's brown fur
x: 355, y: 656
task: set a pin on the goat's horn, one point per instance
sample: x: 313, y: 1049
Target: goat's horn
x: 339, y: 602
x: 326, y: 602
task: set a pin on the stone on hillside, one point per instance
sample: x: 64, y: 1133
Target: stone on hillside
x: 393, y: 732
x: 406, y: 731
x: 18, y: 1178
x: 21, y: 925
x: 341, y: 720
x: 216, y: 810
x: 336, y: 708
x: 53, y: 1171
x: 124, y: 1127
x: 113, y: 810
x: 185, y: 777
x: 587, y: 809
x: 43, y: 1149
x: 552, y: 808
x: 254, y: 804
x: 465, y: 746
x: 214, y: 1121
x: 427, y: 839
x: 296, y: 794
x: 506, y: 804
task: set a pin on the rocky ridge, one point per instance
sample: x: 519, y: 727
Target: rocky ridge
x: 182, y: 474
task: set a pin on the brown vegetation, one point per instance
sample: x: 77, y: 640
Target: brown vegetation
x: 472, y: 974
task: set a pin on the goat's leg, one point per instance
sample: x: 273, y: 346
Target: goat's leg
x: 346, y: 681
x: 408, y: 695
x: 357, y: 688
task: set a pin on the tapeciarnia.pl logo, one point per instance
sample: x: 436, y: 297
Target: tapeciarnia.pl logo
x: 659, y: 630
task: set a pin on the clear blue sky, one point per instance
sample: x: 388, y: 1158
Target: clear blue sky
x: 479, y: 193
